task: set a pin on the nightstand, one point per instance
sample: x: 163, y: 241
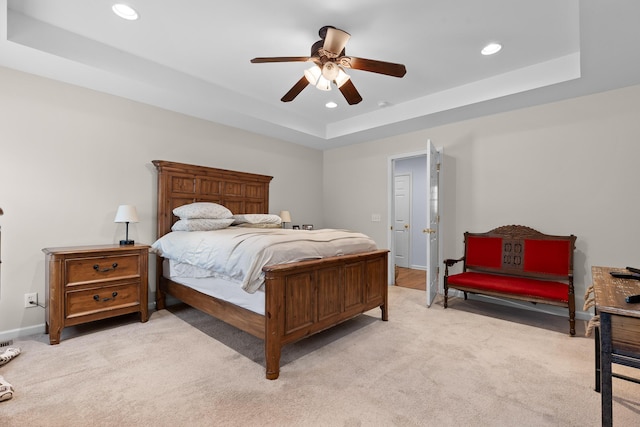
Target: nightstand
x: 87, y: 283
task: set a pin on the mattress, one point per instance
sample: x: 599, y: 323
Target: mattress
x: 220, y: 288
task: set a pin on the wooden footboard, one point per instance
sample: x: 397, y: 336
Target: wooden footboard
x: 302, y: 299
x: 307, y: 297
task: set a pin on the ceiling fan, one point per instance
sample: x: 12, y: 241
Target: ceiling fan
x: 330, y: 60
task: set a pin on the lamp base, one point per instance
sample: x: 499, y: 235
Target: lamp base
x: 126, y: 242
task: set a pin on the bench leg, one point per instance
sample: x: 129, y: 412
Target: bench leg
x: 446, y: 293
x: 572, y: 312
x: 572, y: 324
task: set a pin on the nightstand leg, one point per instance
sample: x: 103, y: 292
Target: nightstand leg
x: 54, y: 336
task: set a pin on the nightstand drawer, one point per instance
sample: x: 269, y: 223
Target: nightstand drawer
x: 94, y: 300
x: 90, y: 269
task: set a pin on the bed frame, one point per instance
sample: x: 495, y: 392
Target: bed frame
x: 302, y: 298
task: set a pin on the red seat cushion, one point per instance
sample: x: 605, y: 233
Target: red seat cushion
x: 556, y: 291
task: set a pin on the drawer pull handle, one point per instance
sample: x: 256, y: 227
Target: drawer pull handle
x: 96, y: 267
x: 113, y: 296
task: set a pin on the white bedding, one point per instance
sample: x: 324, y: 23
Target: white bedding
x: 238, y: 254
x: 220, y: 288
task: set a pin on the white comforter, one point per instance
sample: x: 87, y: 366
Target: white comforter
x: 238, y: 254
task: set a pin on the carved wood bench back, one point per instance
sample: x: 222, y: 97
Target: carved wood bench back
x: 520, y: 250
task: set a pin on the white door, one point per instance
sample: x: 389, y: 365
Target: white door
x: 432, y: 231
x: 401, y: 221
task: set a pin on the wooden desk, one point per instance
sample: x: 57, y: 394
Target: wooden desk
x: 619, y: 331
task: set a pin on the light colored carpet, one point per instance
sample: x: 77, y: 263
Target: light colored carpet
x: 426, y: 366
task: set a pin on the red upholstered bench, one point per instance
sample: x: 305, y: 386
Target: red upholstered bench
x: 516, y: 262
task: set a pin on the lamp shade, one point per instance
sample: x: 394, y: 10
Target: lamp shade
x: 126, y: 213
x: 335, y: 41
x: 341, y: 78
x: 285, y: 216
x: 313, y: 74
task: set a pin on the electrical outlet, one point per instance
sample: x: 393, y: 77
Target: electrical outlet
x: 31, y: 300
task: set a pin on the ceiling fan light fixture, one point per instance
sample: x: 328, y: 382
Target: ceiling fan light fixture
x: 330, y: 71
x: 342, y: 77
x: 323, y: 84
x: 314, y: 77
x: 491, y: 49
x: 125, y: 11
x: 313, y: 74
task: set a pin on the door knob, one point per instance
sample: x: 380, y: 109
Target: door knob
x: 406, y: 226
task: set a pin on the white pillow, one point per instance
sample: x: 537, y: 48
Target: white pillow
x: 202, y: 210
x: 201, y: 224
x: 256, y: 219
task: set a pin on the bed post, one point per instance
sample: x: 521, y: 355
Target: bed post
x: 163, y: 226
x: 274, y: 317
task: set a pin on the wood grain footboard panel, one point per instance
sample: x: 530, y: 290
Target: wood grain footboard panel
x: 307, y: 297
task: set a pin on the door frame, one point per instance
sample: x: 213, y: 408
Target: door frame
x: 390, y: 194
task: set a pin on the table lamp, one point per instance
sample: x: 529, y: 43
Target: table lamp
x: 126, y: 214
x: 285, y: 216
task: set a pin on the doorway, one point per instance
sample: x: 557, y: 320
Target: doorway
x: 409, y: 205
x: 415, y: 179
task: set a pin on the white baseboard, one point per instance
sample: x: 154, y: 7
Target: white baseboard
x: 540, y: 308
x: 13, y: 334
x: 21, y: 332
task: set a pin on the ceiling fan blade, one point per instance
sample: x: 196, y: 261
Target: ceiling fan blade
x: 295, y: 90
x: 380, y: 67
x: 281, y: 59
x: 335, y: 41
x: 350, y: 92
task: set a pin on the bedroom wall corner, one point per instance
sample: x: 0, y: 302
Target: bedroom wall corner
x: 70, y: 156
x: 561, y: 168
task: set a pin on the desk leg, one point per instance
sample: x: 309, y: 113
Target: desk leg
x: 606, y: 391
x: 597, y: 357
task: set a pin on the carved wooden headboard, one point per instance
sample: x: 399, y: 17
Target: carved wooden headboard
x: 180, y: 184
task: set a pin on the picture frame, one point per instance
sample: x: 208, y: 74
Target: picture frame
x: 295, y: 227
x: 307, y: 226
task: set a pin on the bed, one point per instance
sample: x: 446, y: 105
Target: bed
x: 300, y: 298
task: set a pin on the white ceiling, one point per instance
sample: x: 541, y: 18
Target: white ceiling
x: 193, y: 57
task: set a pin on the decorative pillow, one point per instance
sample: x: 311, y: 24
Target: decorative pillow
x: 202, y: 210
x: 256, y: 219
x: 201, y: 224
x: 249, y: 225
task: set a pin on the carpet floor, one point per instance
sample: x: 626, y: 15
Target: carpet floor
x: 473, y: 364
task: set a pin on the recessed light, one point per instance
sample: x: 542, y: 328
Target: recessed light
x: 383, y: 104
x: 331, y: 104
x: 125, y: 11
x: 491, y: 48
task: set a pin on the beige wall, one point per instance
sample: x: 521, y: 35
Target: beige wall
x: 565, y: 168
x: 69, y: 156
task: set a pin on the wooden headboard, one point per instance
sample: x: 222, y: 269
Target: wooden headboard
x: 180, y: 184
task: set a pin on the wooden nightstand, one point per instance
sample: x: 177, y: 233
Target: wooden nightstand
x: 86, y: 283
